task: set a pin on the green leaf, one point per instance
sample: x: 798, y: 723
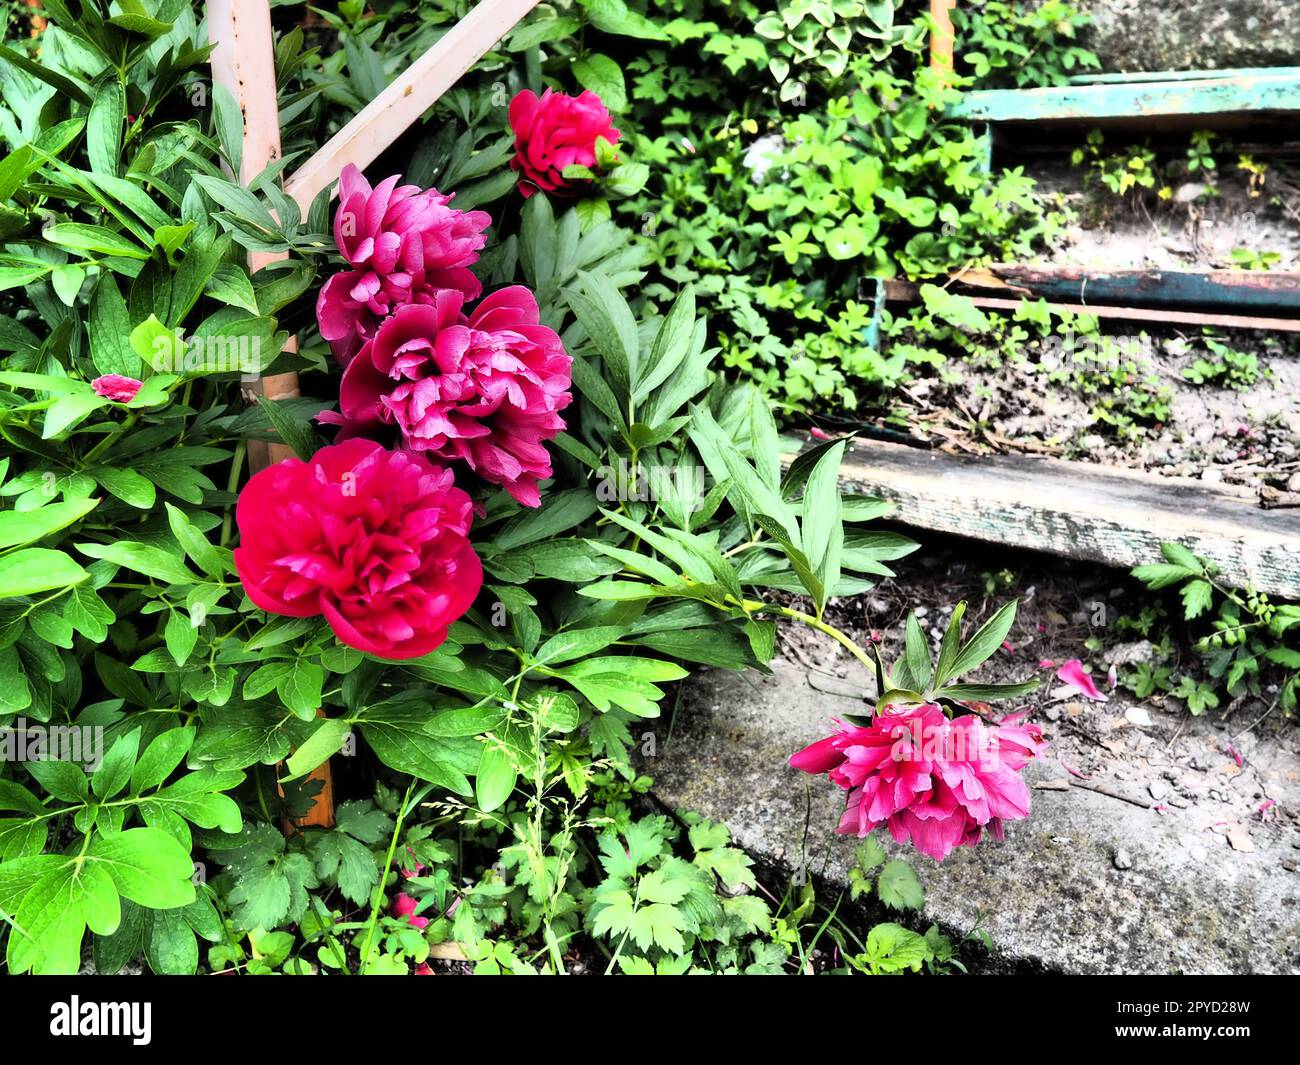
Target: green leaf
x: 823, y: 527
x: 19, y: 527
x: 212, y: 560
x: 319, y: 747
x: 143, y: 558
x: 298, y: 435
x: 180, y: 636
x: 93, y: 238
x: 232, y: 286
x: 109, y: 329
x: 1178, y: 555
x: 104, y: 128
x: 161, y: 758
x: 559, y: 511
x: 115, y: 770
x: 577, y: 643
x: 37, y: 569
x: 47, y: 74
x: 396, y: 733
x: 1198, y: 597
x: 495, y: 780
x: 50, y: 921
x: 604, y: 77
x: 899, y: 888
x: 69, y: 411
x: 671, y: 343
x: 127, y: 485
x: 917, y: 653
x: 949, y: 647
x: 611, y: 327
x: 148, y: 866
x: 300, y: 686
x: 1158, y: 575
x: 987, y: 639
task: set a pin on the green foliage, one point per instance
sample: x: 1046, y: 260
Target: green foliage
x: 1007, y: 44
x: 1223, y: 366
x: 919, y: 677
x: 500, y: 765
x: 1243, y: 635
x: 784, y: 211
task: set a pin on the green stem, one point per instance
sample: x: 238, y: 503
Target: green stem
x: 232, y: 486
x: 373, y: 922
x: 819, y: 625
x: 99, y: 448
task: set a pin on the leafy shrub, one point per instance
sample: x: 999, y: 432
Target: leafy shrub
x: 668, y: 536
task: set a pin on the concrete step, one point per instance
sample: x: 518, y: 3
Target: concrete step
x: 1053, y: 892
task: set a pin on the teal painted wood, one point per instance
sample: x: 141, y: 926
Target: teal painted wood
x: 1182, y: 75
x: 1155, y: 99
x: 1243, y: 290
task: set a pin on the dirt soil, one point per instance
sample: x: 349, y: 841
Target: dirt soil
x: 1198, y: 227
x: 1220, y: 405
x: 1229, y: 778
x: 1248, y: 436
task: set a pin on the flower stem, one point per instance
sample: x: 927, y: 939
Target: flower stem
x: 821, y: 626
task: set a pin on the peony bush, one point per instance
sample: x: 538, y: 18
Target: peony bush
x: 523, y: 505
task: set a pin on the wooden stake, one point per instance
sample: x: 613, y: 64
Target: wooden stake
x: 243, y: 60
x: 407, y: 98
x: 943, y: 36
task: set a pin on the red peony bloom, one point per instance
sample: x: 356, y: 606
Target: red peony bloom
x: 116, y: 387
x: 553, y: 132
x: 404, y: 245
x: 486, y: 389
x: 934, y: 781
x: 373, y: 539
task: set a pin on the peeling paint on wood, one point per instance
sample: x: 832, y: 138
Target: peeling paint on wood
x: 1272, y: 90
x: 1079, y: 510
x: 415, y: 90
x: 1148, y: 296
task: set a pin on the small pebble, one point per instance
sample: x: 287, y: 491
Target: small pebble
x: 1123, y: 860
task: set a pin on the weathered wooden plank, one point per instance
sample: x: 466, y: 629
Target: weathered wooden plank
x: 1248, y: 290
x: 1079, y: 510
x: 418, y: 88
x: 1277, y: 93
x: 1115, y: 77
x: 1082, y: 303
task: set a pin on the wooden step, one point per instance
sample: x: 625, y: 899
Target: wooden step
x: 1254, y: 94
x: 1080, y: 510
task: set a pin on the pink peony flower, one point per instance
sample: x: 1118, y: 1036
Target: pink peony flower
x: 555, y: 131
x: 934, y: 781
x: 374, y: 540
x: 403, y: 244
x: 485, y: 389
x: 404, y: 906
x: 1072, y: 673
x: 116, y: 387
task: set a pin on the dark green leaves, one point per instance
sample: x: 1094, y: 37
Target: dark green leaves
x: 915, y: 678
